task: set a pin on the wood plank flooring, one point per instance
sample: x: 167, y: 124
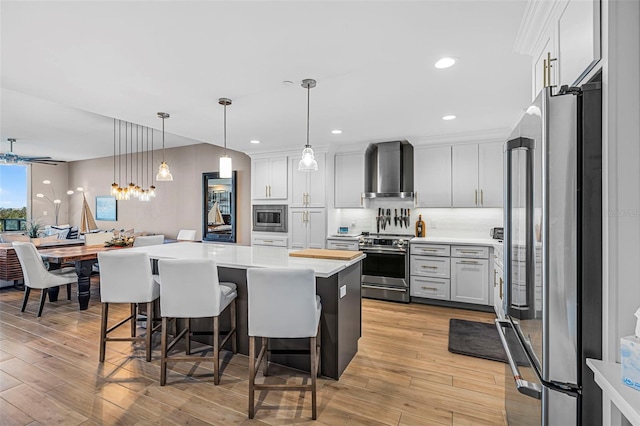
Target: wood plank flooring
x: 402, y: 375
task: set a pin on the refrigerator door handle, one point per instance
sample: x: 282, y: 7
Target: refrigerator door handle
x: 524, y: 387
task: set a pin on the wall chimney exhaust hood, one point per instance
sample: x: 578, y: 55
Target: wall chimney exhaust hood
x: 388, y: 170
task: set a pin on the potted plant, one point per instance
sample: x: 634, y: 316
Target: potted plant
x: 34, y: 231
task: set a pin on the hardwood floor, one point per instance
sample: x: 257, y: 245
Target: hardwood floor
x: 402, y: 375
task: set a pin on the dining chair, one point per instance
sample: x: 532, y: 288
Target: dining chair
x: 36, y: 275
x: 186, y: 235
x: 149, y: 240
x: 125, y: 277
x: 283, y: 304
x: 190, y: 289
x: 97, y: 238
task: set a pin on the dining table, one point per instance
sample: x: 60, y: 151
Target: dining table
x: 83, y: 257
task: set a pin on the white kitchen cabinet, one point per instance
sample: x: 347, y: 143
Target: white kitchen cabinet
x: 269, y: 176
x: 432, y: 176
x: 477, y: 175
x: 349, y: 180
x: 464, y: 177
x: 429, y: 287
x: 308, y: 189
x: 578, y: 35
x: 343, y: 244
x: 490, y: 174
x: 269, y: 240
x: 470, y: 280
x: 308, y: 228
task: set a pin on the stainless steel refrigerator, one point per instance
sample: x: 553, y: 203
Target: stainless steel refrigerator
x: 553, y: 259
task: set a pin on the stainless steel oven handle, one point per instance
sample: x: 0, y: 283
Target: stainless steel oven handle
x: 381, y: 250
x: 524, y: 387
x: 374, y: 287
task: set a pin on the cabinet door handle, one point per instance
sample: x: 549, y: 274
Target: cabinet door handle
x: 266, y: 191
x: 482, y: 197
x: 361, y: 199
x: 430, y: 288
x: 308, y: 199
x: 269, y: 191
x: 415, y: 199
x: 476, y: 197
x: 495, y: 278
x: 501, y: 282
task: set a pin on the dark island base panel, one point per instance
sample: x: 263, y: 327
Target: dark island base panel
x: 341, y: 322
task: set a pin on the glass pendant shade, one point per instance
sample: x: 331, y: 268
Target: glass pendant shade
x: 114, y: 188
x: 152, y: 191
x: 164, y: 174
x: 308, y: 162
x: 225, y: 167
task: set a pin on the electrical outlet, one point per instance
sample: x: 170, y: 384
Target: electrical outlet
x: 343, y: 291
x: 353, y: 223
x: 433, y: 224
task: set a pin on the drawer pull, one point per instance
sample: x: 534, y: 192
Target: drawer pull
x: 429, y: 249
x: 470, y: 251
x: 429, y: 266
x: 473, y: 262
x: 267, y: 241
x: 430, y: 288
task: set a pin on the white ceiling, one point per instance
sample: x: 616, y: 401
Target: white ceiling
x: 68, y: 68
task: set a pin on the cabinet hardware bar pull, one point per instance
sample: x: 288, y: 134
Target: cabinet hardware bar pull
x: 429, y: 249
x: 474, y: 262
x: 495, y: 281
x: 429, y: 266
x: 430, y: 288
x: 266, y: 191
x: 501, y: 282
x: 269, y: 191
x: 470, y: 251
x: 544, y: 73
x: 482, y: 197
x: 267, y: 241
x: 476, y: 197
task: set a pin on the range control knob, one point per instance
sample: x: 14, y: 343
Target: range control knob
x: 400, y: 242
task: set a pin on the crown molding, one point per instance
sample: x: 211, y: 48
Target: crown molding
x: 492, y: 135
x: 537, y: 17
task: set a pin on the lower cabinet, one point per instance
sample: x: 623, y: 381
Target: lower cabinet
x: 308, y: 228
x: 470, y: 280
x: 455, y: 273
x: 342, y: 244
x: 269, y: 240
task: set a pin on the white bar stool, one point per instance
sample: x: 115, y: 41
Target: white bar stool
x: 186, y: 235
x: 126, y: 277
x: 190, y: 289
x: 282, y: 303
x: 148, y: 240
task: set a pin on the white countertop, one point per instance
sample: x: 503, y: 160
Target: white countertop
x: 243, y: 257
x: 456, y: 240
x: 608, y: 376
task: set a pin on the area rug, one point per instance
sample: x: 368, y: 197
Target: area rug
x: 480, y: 340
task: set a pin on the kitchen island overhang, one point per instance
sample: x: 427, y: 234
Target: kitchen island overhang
x: 337, y: 284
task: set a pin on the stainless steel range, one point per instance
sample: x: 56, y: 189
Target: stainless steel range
x: 385, y: 270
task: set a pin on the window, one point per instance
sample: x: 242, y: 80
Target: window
x: 13, y: 197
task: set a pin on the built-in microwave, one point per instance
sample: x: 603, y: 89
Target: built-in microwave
x: 270, y: 217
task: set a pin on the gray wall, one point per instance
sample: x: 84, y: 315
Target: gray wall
x: 178, y: 204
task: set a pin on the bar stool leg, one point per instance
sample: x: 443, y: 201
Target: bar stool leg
x: 252, y: 374
x: 163, y: 357
x: 234, y: 338
x: 187, y: 335
x: 68, y: 291
x: 134, y: 319
x: 216, y: 350
x: 103, y: 330
x: 265, y: 366
x: 314, y: 375
x: 149, y: 329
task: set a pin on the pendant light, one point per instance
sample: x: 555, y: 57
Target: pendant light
x: 114, y: 185
x: 164, y: 174
x: 152, y: 189
x: 308, y: 162
x: 225, y: 160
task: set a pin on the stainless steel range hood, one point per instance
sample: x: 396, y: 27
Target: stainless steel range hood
x: 388, y: 170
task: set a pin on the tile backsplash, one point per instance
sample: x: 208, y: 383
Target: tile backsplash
x: 442, y: 222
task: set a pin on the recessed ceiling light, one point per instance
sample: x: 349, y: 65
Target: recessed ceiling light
x: 449, y: 117
x: 254, y: 141
x: 336, y: 131
x: 445, y: 62
x: 287, y: 82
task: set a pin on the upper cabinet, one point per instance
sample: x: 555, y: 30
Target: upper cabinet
x: 569, y: 47
x: 270, y: 178
x: 432, y: 176
x: 349, y: 180
x: 477, y: 175
x: 308, y: 189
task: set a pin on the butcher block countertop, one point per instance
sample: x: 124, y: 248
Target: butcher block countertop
x: 326, y: 254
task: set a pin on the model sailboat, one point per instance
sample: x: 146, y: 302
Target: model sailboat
x: 215, y: 217
x: 87, y: 222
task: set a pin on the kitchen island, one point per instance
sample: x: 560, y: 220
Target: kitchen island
x: 337, y: 283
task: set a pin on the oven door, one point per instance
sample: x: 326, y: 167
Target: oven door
x: 384, y: 275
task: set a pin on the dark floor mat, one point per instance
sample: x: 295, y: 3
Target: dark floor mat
x: 481, y: 340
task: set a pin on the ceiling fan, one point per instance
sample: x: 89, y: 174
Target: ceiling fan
x: 13, y: 158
